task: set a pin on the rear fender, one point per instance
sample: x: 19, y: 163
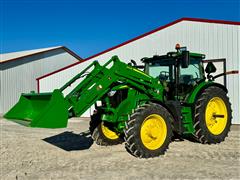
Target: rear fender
x: 191, y: 99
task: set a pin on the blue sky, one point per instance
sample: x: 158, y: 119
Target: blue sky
x: 91, y: 26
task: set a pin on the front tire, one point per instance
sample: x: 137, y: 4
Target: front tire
x: 148, y: 132
x: 213, y: 116
x: 102, y: 132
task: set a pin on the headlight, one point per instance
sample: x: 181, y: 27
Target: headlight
x: 99, y: 103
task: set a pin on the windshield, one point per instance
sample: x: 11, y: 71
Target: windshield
x: 163, y: 73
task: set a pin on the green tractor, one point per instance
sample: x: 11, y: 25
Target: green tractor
x: 141, y: 105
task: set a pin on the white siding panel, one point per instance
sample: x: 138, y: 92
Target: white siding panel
x: 238, y: 60
x: 20, y: 76
x: 214, y: 40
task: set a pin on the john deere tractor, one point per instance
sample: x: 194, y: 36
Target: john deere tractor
x: 141, y: 105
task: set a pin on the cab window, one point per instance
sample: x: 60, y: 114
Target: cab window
x: 190, y: 74
x: 162, y: 72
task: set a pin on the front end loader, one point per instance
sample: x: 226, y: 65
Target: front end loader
x: 141, y: 105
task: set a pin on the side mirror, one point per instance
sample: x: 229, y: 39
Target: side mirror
x: 185, y: 59
x: 210, y: 68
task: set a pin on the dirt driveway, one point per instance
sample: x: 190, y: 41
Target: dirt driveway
x: 31, y: 153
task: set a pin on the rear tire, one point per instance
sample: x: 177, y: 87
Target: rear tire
x: 148, y: 132
x: 102, y: 132
x: 213, y: 116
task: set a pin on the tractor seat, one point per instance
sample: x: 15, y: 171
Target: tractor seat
x: 186, y: 78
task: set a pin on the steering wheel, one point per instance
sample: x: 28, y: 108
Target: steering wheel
x: 163, y: 75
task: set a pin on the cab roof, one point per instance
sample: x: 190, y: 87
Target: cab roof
x: 172, y: 56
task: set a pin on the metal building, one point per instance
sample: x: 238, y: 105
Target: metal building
x: 215, y: 38
x: 19, y: 70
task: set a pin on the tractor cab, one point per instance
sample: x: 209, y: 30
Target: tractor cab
x: 179, y: 72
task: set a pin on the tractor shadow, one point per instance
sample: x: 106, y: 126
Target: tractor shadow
x: 177, y: 138
x: 69, y: 141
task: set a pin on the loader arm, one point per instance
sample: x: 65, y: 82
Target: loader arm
x: 52, y: 110
x: 102, y: 79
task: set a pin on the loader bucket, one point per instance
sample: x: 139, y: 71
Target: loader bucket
x: 44, y: 110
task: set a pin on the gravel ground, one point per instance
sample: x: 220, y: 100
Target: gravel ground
x: 33, y: 153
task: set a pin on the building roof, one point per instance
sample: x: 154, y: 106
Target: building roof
x: 144, y: 35
x: 7, y: 57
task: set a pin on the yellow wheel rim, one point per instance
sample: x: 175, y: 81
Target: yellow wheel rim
x: 216, y: 115
x: 153, y: 131
x: 108, y: 133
